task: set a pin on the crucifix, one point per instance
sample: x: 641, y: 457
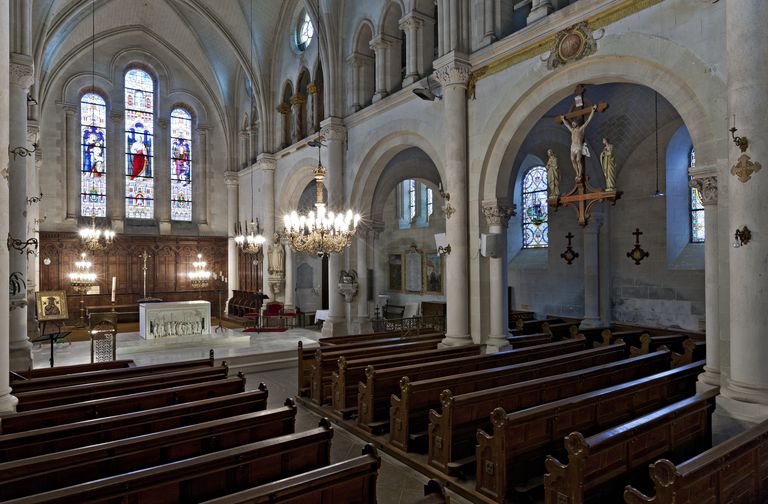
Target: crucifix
x: 144, y: 257
x: 583, y: 196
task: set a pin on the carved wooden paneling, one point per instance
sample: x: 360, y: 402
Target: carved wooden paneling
x: 250, y: 271
x: 172, y: 258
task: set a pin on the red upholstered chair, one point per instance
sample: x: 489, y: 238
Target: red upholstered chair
x: 272, y: 311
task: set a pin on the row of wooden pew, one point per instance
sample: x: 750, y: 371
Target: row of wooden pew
x: 182, y: 432
x: 611, y: 399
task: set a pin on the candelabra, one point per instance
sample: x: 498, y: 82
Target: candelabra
x: 94, y: 238
x: 199, y: 277
x: 250, y: 241
x: 81, y: 280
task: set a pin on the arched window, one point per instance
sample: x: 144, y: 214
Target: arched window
x: 304, y: 32
x: 697, y: 232
x: 181, y: 165
x: 535, y: 210
x: 93, y: 167
x: 139, y: 129
x: 415, y: 204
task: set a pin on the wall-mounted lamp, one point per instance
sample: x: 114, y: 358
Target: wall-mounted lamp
x: 31, y: 99
x: 34, y: 199
x: 741, y: 237
x: 740, y: 141
x: 444, y: 250
x: 22, y: 246
x: 21, y: 151
x: 447, y: 208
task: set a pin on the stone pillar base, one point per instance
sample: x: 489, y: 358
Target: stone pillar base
x: 334, y: 327
x: 496, y: 344
x: 20, y: 356
x: 8, y: 403
x: 410, y: 79
x: 708, y: 380
x: 362, y: 325
x: 379, y: 96
x: 454, y: 341
x: 732, y: 417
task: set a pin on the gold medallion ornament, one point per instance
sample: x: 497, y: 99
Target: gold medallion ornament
x: 744, y: 168
x: 571, y: 44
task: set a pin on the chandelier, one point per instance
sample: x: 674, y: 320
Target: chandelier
x: 320, y: 232
x: 81, y: 280
x: 199, y: 277
x: 94, y: 238
x: 251, y: 241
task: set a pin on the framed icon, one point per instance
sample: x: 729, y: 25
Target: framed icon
x: 51, y: 305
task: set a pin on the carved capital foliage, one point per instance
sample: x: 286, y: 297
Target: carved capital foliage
x: 334, y: 132
x: 707, y: 188
x: 311, y: 88
x: 453, y: 74
x: 496, y: 214
x: 163, y: 123
x: 21, y: 75
x: 266, y: 162
x: 231, y: 178
x: 410, y: 22
x: 284, y: 109
x: 298, y: 99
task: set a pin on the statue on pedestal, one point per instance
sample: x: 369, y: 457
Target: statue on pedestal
x: 609, y: 166
x: 553, y: 174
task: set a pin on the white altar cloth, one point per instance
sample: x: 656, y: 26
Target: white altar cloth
x: 171, y: 319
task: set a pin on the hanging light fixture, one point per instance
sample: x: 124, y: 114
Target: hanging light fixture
x: 320, y: 232
x: 95, y: 238
x: 657, y: 193
x: 250, y: 240
x: 200, y: 276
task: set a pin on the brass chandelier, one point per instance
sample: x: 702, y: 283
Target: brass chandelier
x: 250, y: 241
x: 94, y: 238
x: 320, y: 232
x: 200, y: 276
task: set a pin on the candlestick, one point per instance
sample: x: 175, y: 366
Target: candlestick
x: 114, y: 286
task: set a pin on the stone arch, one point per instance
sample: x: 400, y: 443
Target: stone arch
x: 289, y: 190
x: 541, y: 94
x: 363, y: 66
x: 390, y: 32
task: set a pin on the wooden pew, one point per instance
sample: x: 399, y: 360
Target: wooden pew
x: 343, y: 393
x: 106, y: 374
x: 102, y: 430
x: 70, y: 467
x: 451, y: 431
x: 46, y: 398
x: 306, y: 356
x: 355, y: 338
x: 597, y: 465
x: 734, y: 471
x: 203, y: 477
x: 534, y: 326
x: 693, y: 350
x: 326, y: 361
x: 526, y: 340
x: 650, y: 343
x: 521, y: 439
x: 350, y: 482
x: 518, y: 386
x: 76, y: 368
x: 110, y: 406
x: 630, y: 337
x: 559, y: 331
x: 373, y: 397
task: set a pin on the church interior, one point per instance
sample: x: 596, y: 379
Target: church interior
x: 393, y: 251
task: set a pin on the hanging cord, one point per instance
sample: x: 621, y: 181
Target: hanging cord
x: 93, y: 44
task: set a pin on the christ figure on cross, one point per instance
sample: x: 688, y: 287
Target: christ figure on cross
x: 577, y: 142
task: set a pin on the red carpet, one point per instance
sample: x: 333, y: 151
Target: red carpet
x: 265, y: 329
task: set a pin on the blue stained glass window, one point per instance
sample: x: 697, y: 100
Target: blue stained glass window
x: 93, y: 167
x: 304, y: 32
x: 697, y: 232
x: 535, y: 209
x: 139, y: 142
x: 181, y: 165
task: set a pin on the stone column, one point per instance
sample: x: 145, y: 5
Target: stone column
x: 411, y: 24
x: 489, y: 25
x: 242, y: 149
x: 363, y: 317
x: 162, y: 181
x: 33, y: 223
x: 313, y: 110
x: 285, y: 111
x: 334, y: 133
x: 707, y: 188
x: 381, y: 46
x: 453, y: 74
x: 115, y: 178
x: 539, y: 9
x: 21, y: 71
x: 267, y: 163
x: 200, y: 184
x: 232, y: 180
x: 290, y: 278
x: 745, y: 396
x: 592, y: 274
x: 297, y: 105
x: 7, y: 401
x: 72, y: 169
x: 497, y: 213
x: 253, y: 142
x: 355, y: 60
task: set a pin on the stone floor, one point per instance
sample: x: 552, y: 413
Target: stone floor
x: 397, y: 483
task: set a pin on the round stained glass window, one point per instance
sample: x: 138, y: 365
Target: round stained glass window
x: 304, y: 32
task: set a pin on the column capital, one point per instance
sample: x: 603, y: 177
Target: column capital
x: 298, y: 99
x: 231, y: 178
x: 162, y: 123
x: 116, y: 116
x: 453, y: 72
x: 312, y: 88
x: 333, y: 129
x: 410, y: 21
x: 21, y: 71
x: 498, y: 212
x: 381, y: 42
x: 357, y: 59
x: 68, y: 109
x: 707, y: 187
x: 283, y: 109
x: 266, y: 162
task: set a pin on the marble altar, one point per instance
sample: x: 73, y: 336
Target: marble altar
x: 172, y: 319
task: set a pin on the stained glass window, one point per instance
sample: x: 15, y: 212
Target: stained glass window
x: 304, y: 32
x: 535, y: 209
x: 430, y: 203
x: 181, y: 165
x: 411, y: 199
x: 696, y: 207
x: 139, y: 129
x: 93, y: 167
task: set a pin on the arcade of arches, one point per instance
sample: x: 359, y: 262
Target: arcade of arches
x: 162, y: 120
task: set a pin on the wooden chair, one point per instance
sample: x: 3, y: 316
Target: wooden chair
x: 102, y: 328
